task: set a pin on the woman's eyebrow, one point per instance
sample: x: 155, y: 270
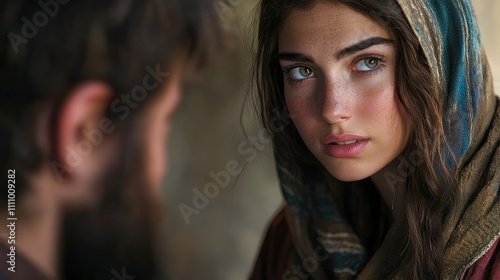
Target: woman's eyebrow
x: 294, y: 57
x: 362, y: 45
x: 342, y: 53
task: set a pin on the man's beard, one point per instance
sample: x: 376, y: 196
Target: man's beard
x: 117, y: 238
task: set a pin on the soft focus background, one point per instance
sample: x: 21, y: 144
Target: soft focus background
x: 221, y: 240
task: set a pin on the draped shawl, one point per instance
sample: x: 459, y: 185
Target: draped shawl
x: 449, y: 36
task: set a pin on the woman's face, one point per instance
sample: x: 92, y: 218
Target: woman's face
x: 339, y: 81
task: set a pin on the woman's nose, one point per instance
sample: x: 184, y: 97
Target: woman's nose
x: 335, y: 102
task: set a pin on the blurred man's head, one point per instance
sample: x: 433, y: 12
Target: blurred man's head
x: 87, y: 90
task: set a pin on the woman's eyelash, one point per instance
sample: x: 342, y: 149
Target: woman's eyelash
x: 367, y: 56
x: 287, y: 69
x: 381, y: 60
x: 286, y: 72
x: 293, y: 82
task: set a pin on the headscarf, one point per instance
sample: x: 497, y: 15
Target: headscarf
x: 449, y: 36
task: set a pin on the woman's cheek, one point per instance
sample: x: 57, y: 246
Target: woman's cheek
x: 379, y: 98
x: 299, y: 108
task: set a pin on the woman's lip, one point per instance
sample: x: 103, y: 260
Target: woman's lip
x: 346, y: 151
x: 342, y: 138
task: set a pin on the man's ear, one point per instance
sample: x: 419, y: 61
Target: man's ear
x: 79, y: 122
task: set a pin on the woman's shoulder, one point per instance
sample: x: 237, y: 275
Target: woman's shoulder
x: 276, y: 250
x: 487, y: 267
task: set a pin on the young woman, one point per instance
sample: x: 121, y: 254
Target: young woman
x: 391, y: 167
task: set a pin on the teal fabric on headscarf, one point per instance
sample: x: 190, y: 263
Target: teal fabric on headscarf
x: 449, y: 36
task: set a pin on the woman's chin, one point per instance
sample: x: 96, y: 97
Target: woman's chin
x: 352, y: 170
x: 348, y: 176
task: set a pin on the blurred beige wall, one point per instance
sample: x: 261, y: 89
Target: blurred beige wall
x: 221, y: 241
x: 488, y: 15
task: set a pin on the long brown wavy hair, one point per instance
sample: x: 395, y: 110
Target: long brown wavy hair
x: 428, y: 189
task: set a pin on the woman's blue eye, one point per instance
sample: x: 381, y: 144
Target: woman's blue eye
x: 301, y: 73
x: 367, y: 64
